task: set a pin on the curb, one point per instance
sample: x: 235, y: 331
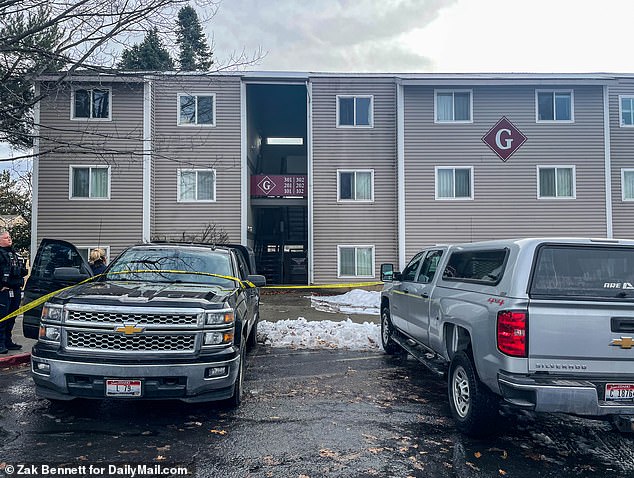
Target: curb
x: 13, y: 360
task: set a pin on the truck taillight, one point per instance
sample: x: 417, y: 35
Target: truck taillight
x: 512, y: 332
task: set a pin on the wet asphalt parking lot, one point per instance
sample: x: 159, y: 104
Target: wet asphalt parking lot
x: 307, y: 413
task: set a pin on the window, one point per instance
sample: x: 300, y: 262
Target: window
x: 409, y: 273
x: 476, y: 266
x: 84, y: 251
x: 355, y: 185
x: 197, y: 110
x: 196, y: 185
x: 428, y: 269
x: 356, y: 261
x: 355, y: 111
x: 90, y: 182
x: 454, y: 183
x: 556, y: 182
x: 91, y: 103
x: 627, y: 184
x: 453, y: 106
x: 626, y: 106
x: 554, y: 105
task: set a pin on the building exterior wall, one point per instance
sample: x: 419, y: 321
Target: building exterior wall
x: 196, y: 147
x: 622, y: 156
x: 338, y: 223
x: 505, y: 200
x: 114, y: 222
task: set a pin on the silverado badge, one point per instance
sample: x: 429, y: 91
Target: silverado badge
x: 129, y: 329
x: 623, y: 342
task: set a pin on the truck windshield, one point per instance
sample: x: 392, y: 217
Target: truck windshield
x: 173, y: 265
x: 583, y: 272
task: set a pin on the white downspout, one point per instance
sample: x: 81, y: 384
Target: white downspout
x: 311, y: 242
x: 400, y: 183
x: 244, y: 165
x: 147, y: 159
x: 35, y: 183
x: 608, y: 162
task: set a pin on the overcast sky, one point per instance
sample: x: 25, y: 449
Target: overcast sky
x: 429, y: 35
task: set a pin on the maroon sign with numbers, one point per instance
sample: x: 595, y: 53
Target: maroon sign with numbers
x: 278, y: 185
x: 504, y: 139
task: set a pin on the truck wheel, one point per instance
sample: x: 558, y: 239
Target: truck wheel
x: 473, y: 406
x: 387, y: 332
x: 252, y: 341
x: 236, y: 398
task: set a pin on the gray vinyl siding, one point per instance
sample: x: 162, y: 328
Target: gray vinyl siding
x: 116, y: 222
x: 353, y: 148
x: 177, y: 147
x: 505, y: 200
x: 622, y: 156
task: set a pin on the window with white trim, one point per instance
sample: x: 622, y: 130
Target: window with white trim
x: 355, y: 111
x: 453, y: 106
x: 554, y: 105
x: 91, y: 103
x: 197, y: 110
x: 454, y: 182
x: 196, y: 185
x: 556, y: 182
x: 627, y: 184
x: 355, y: 261
x: 355, y: 185
x: 89, y: 182
x: 84, y: 251
x: 626, y: 107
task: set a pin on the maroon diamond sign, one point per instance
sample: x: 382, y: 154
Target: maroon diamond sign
x: 504, y: 139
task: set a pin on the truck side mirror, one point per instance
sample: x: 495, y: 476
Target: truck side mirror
x: 387, y: 272
x: 69, y: 274
x: 257, y: 280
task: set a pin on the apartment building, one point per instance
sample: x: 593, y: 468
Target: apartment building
x: 326, y: 176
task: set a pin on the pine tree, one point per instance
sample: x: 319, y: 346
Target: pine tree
x: 149, y: 55
x: 195, y: 53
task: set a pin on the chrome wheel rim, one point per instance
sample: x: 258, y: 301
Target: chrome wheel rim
x: 385, y: 329
x: 460, y: 388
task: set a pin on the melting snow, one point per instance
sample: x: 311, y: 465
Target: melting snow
x: 356, y: 301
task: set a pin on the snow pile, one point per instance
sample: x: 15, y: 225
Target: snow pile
x: 322, y: 334
x: 356, y: 301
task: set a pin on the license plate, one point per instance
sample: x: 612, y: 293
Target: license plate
x: 123, y: 388
x: 619, y: 391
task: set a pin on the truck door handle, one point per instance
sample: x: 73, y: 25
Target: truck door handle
x: 425, y: 295
x: 405, y: 291
x: 622, y: 324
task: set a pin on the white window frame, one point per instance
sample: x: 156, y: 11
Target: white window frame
x: 371, y: 113
x: 555, y: 91
x: 356, y: 246
x: 623, y: 171
x: 555, y: 167
x: 90, y: 167
x: 90, y: 88
x: 196, y: 170
x: 621, y: 98
x: 87, y: 249
x: 195, y: 124
x: 471, y: 185
x: 355, y: 171
x: 445, y: 91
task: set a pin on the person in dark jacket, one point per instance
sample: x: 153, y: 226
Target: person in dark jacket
x: 12, y: 272
x: 97, y: 261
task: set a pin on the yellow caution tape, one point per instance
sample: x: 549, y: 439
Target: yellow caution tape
x: 44, y: 298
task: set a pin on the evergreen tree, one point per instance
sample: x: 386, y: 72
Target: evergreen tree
x: 195, y: 53
x: 149, y: 55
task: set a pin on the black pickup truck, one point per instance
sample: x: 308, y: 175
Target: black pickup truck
x: 164, y: 321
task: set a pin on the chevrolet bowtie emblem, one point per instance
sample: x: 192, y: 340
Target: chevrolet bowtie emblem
x: 129, y: 329
x: 623, y: 342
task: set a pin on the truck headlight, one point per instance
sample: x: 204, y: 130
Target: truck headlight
x: 52, y: 312
x: 217, y: 338
x: 219, y: 317
x: 50, y: 333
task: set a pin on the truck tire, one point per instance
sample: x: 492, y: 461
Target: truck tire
x: 387, y: 332
x: 474, y: 407
x: 252, y: 341
x: 238, y: 387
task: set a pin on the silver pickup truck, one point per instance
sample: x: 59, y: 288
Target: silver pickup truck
x: 541, y: 324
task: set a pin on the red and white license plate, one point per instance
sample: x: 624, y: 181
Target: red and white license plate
x: 123, y: 388
x: 619, y: 391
